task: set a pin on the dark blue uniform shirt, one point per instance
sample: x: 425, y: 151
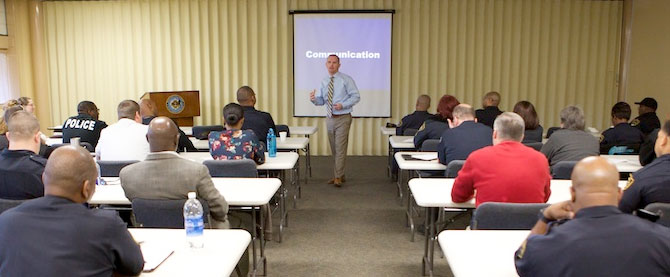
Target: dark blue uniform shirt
x: 457, y: 143
x: 487, y: 115
x: 648, y: 185
x: 412, y: 121
x: 432, y: 128
x: 621, y: 134
x: 21, y: 174
x: 83, y: 126
x: 53, y: 236
x: 260, y: 122
x: 599, y: 241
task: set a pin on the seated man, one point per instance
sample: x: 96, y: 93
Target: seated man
x: 508, y: 171
x: 647, y: 120
x: 20, y: 166
x: 650, y: 184
x: 165, y: 175
x: 85, y: 125
x: 490, y: 109
x: 415, y: 119
x: 126, y: 139
x: 58, y: 235
x: 463, y: 136
x: 589, y: 236
x: 258, y: 121
x: 622, y: 134
x: 148, y: 112
x: 571, y: 142
x: 647, y: 154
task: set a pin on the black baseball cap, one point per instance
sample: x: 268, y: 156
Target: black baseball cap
x: 649, y: 102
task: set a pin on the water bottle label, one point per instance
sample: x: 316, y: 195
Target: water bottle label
x: 194, y: 226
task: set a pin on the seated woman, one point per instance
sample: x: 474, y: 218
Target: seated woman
x: 233, y: 143
x: 533, y: 129
x: 434, y: 126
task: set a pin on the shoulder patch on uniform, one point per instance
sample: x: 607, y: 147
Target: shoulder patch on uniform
x: 630, y: 182
x: 423, y: 126
x: 601, y: 138
x: 522, y: 250
x: 635, y: 122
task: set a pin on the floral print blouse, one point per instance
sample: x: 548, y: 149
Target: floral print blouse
x: 236, y: 145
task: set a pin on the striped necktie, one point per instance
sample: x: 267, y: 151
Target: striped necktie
x: 329, y: 106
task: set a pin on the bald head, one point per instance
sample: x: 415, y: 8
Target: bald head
x: 162, y: 135
x: 70, y: 173
x: 246, y: 96
x: 148, y: 108
x: 491, y: 98
x: 595, y: 183
x: 423, y: 103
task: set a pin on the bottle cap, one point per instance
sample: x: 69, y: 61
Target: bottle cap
x: 191, y: 195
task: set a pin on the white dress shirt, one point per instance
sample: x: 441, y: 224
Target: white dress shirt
x: 122, y: 141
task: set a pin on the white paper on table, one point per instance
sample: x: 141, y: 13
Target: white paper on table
x: 408, y: 140
x: 426, y: 157
x: 154, y: 254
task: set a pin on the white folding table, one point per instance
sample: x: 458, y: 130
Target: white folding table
x: 481, y: 253
x: 624, y: 163
x: 220, y: 254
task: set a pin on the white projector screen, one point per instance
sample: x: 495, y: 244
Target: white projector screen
x: 363, y: 43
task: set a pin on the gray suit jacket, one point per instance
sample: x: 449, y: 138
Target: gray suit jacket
x: 165, y: 175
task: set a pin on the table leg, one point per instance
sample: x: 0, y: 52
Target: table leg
x: 429, y: 243
x: 262, y: 242
x: 309, y: 159
x: 296, y: 173
x: 410, y: 218
x: 399, y: 184
x: 254, y: 238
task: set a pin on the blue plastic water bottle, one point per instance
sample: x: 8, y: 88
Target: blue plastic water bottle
x: 272, y: 143
x: 193, y: 223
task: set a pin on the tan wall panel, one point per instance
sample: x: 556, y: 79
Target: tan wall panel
x: 552, y: 53
x: 650, y: 59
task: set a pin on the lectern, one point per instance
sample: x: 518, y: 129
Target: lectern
x: 181, y: 106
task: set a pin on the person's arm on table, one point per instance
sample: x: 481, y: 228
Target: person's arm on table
x: 127, y: 256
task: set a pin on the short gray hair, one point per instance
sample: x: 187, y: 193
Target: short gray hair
x: 463, y: 111
x: 510, y: 126
x: 572, y: 117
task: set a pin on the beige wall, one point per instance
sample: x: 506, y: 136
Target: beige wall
x: 650, y: 54
x: 552, y: 53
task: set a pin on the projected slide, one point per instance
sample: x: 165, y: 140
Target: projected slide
x: 363, y: 43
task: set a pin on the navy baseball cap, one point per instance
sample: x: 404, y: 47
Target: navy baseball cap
x: 649, y: 102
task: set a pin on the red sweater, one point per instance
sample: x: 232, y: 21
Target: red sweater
x: 507, y: 172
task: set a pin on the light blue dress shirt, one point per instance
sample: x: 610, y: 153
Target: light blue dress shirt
x: 345, y: 92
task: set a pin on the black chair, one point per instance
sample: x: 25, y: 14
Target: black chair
x: 410, y: 132
x: 505, y: 216
x: 232, y: 168
x: 562, y: 170
x: 113, y: 168
x: 663, y: 210
x: 430, y: 145
x: 283, y: 128
x: 453, y: 168
x: 163, y: 213
x: 6, y: 204
x: 202, y: 132
x: 535, y: 145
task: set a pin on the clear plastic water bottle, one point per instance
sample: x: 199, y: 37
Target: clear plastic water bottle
x: 272, y: 143
x: 193, y: 223
x: 99, y: 181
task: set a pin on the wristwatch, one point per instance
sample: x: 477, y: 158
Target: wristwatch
x: 543, y: 218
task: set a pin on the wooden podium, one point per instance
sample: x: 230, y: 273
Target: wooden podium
x: 181, y: 106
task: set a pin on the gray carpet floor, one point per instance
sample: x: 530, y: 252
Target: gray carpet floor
x: 356, y: 230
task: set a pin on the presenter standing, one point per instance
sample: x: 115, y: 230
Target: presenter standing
x: 339, y: 94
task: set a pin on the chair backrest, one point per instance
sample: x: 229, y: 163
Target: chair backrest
x: 87, y: 146
x: 113, y: 168
x: 410, y: 132
x: 6, y: 204
x: 163, y: 213
x: 663, y: 210
x: 283, y: 128
x: 430, y: 145
x: 202, y: 132
x: 535, y: 145
x: 562, y: 170
x: 505, y: 216
x: 453, y: 168
x: 232, y: 168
